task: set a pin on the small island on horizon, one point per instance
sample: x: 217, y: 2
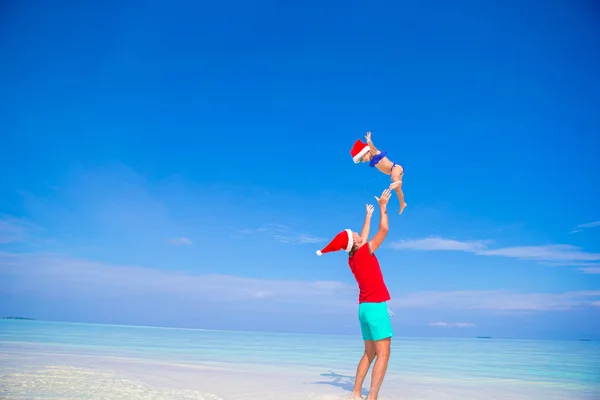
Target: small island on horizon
x: 23, y: 318
x: 484, y: 337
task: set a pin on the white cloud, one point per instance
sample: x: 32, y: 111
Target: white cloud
x: 280, y: 233
x: 452, y: 324
x: 590, y: 270
x: 570, y: 263
x: 436, y: 243
x: 588, y: 225
x: 180, y: 241
x: 551, y: 252
x: 496, y: 300
x: 56, y: 275
x: 13, y: 229
x: 59, y: 276
x: 585, y: 266
x: 556, y: 254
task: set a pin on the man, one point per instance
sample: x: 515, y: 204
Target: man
x: 373, y: 314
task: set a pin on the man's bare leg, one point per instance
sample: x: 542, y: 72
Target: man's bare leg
x: 363, y: 368
x: 382, y: 352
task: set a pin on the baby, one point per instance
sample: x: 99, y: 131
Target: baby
x: 363, y: 153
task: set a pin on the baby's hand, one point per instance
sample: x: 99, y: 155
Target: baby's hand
x: 368, y: 137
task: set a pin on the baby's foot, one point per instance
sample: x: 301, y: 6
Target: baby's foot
x: 402, y: 207
x: 394, y: 185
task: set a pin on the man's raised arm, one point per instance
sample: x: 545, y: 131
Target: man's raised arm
x: 383, y: 221
x: 364, y: 233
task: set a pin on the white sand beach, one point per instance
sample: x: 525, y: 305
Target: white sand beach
x: 34, y: 375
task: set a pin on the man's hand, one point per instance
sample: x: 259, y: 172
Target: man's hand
x: 364, y: 233
x: 385, y: 197
x: 368, y: 136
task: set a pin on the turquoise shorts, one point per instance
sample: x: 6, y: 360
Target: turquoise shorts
x: 375, y: 321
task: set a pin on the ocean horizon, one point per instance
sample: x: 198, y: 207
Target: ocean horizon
x: 397, y: 334
x: 43, y: 359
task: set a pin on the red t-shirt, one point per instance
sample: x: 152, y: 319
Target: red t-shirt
x: 367, y: 272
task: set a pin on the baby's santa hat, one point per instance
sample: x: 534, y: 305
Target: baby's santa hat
x: 341, y: 241
x: 358, y: 150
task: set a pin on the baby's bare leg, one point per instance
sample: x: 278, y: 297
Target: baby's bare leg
x: 396, y: 175
x: 400, y: 198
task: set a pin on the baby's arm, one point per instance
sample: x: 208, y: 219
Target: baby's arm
x: 372, y: 147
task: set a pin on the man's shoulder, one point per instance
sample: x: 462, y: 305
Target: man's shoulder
x: 365, y: 250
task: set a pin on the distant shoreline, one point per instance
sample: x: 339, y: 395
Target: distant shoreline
x: 480, y: 338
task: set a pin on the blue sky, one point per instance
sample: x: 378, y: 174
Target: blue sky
x: 179, y: 164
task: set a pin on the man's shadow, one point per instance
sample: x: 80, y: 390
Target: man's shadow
x: 342, y: 381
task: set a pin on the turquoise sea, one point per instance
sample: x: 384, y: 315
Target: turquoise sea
x: 43, y: 360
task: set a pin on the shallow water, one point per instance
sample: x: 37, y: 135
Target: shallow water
x: 46, y: 360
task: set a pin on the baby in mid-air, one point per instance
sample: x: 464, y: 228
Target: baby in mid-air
x: 369, y: 153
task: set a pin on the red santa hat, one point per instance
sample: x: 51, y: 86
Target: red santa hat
x: 358, y: 150
x: 341, y: 241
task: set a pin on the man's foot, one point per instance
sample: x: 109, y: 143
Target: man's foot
x: 402, y: 207
x: 394, y: 185
x: 356, y: 396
